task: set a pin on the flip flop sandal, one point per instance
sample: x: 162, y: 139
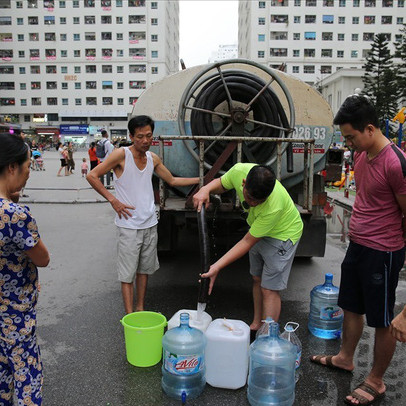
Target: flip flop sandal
x: 329, y: 363
x: 363, y: 401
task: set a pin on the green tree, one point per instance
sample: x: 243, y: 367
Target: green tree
x: 380, y: 79
x: 401, y: 66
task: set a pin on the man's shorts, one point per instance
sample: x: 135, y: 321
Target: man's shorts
x: 368, y: 283
x: 136, y: 252
x: 271, y: 260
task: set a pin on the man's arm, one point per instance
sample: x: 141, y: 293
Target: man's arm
x: 239, y: 250
x: 401, y: 199
x: 203, y: 195
x: 398, y: 326
x: 162, y: 171
x: 111, y: 162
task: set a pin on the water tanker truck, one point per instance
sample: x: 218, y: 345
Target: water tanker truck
x: 209, y: 117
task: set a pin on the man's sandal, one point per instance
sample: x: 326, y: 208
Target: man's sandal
x: 363, y: 401
x: 329, y: 363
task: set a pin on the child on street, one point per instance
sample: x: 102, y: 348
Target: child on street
x: 85, y: 168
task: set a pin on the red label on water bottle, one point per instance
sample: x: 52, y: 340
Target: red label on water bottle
x: 182, y: 365
x: 331, y: 313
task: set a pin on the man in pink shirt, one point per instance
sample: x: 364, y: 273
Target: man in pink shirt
x: 376, y: 253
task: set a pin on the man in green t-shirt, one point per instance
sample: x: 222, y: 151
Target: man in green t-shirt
x: 273, y: 237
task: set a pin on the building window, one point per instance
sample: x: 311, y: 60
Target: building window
x: 106, y: 36
x: 279, y: 18
x: 78, y: 102
x: 76, y: 37
x: 340, y: 54
x: 340, y: 37
x: 368, y: 36
x: 119, y: 53
x: 36, y: 101
x: 296, y: 19
x: 64, y: 69
x: 355, y: 20
x: 326, y: 53
x: 62, y: 20
x: 120, y: 85
x: 91, y: 84
x: 341, y: 3
x: 35, y: 70
x: 107, y: 84
x: 76, y: 20
x: 23, y: 102
x: 90, y: 68
x: 65, y: 102
x: 137, y: 84
x: 119, y: 3
x: 296, y: 36
x: 62, y: 4
x: 308, y: 69
x: 401, y: 3
x: 31, y: 20
x: 91, y: 101
x: 119, y: 36
x: 154, y: 54
x: 90, y: 20
x: 136, y: 3
x: 33, y: 4
x: 78, y: 85
x: 310, y: 35
x: 327, y: 36
x: 119, y: 20
x: 34, y: 53
x: 77, y: 69
x: 20, y: 21
x: 328, y: 3
x: 261, y: 54
x: 310, y: 19
x: 52, y: 101
x: 21, y: 70
x: 326, y: 69
x: 107, y: 68
x: 399, y: 20
x: 261, y: 37
x: 354, y: 54
x: 310, y: 53
x: 75, y: 3
x: 90, y: 36
x: 64, y: 85
x: 154, y: 38
x: 50, y: 36
x: 328, y: 19
x: 120, y: 69
x: 387, y: 3
x: 154, y: 4
x: 107, y: 53
x: 154, y: 70
x: 21, y: 54
x: 354, y: 37
x: 278, y: 52
x: 261, y: 4
x: 19, y: 4
x: 63, y: 37
x: 261, y: 20
x: 23, y: 86
x: 370, y: 3
x: 90, y: 3
x: 64, y: 53
x: 49, y: 20
x: 50, y: 69
x: 107, y: 101
x: 154, y: 21
x: 386, y: 20
x: 296, y: 53
x: 20, y: 37
x: 90, y: 52
x: 106, y: 19
x: 341, y: 20
x: 298, y: 3
x: 295, y: 69
x: 311, y: 3
x: 120, y: 101
x: 355, y: 3
x: 369, y: 19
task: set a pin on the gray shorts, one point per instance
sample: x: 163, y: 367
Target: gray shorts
x: 136, y: 252
x: 271, y: 260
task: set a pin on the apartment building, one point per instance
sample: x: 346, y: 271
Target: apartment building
x: 73, y: 67
x: 315, y: 38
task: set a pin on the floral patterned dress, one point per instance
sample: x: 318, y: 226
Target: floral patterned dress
x: 20, y: 362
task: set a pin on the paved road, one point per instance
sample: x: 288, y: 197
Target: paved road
x: 80, y: 308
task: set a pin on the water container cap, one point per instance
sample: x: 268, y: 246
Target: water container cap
x: 184, y: 318
x: 291, y: 326
x: 329, y: 277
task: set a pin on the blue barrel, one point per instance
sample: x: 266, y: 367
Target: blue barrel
x: 326, y: 317
x: 183, y: 367
x: 271, y: 379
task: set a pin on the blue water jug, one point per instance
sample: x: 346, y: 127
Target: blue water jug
x: 271, y: 379
x: 326, y: 317
x: 183, y: 366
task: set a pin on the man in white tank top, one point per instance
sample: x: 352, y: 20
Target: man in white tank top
x: 134, y: 205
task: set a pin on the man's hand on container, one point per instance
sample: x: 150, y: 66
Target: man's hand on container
x: 122, y: 209
x: 202, y: 196
x: 212, y: 274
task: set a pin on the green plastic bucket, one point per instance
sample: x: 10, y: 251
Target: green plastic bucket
x: 143, y: 332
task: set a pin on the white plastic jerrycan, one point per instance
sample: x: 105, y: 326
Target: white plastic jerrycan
x: 227, y: 353
x: 201, y: 324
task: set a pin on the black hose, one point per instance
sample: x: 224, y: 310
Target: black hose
x: 204, y: 254
x: 243, y: 87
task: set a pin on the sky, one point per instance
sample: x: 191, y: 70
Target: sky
x: 204, y: 25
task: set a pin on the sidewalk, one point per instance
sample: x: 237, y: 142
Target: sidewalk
x: 46, y: 187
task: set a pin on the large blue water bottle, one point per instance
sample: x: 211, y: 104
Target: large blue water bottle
x: 183, y: 367
x: 326, y: 317
x: 271, y: 379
